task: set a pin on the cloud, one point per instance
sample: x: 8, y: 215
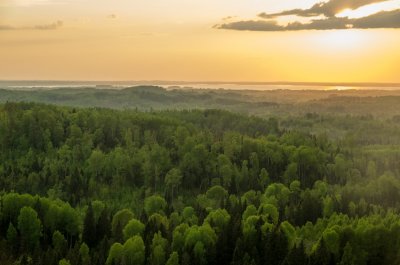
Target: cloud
x: 51, y: 26
x: 228, y: 18
x: 388, y: 19
x: 112, y: 16
x: 251, y: 25
x: 328, y: 9
x: 384, y: 19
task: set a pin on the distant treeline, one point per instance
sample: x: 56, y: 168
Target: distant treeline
x: 379, y: 103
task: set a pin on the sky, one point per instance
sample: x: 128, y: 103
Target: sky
x: 201, y: 40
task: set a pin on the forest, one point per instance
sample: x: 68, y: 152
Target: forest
x: 302, y: 183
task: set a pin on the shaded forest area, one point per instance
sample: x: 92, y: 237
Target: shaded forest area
x: 309, y: 185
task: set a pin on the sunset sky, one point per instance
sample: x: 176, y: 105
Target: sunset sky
x: 200, y: 40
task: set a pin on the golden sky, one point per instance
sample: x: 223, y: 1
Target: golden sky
x: 202, y: 40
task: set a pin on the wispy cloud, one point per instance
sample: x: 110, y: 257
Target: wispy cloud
x: 52, y: 26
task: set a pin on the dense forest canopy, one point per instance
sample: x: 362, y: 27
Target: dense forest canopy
x: 105, y: 186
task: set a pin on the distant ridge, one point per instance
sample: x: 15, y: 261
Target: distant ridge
x: 164, y: 82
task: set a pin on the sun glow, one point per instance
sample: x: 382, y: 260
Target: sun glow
x: 341, y: 39
x: 369, y: 9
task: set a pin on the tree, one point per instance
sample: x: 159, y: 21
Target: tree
x: 119, y: 221
x: 348, y: 256
x: 29, y: 227
x: 173, y: 259
x: 64, y: 262
x: 158, y: 249
x: 172, y: 181
x: 12, y: 237
x: 84, y: 254
x: 59, y: 242
x: 103, y: 227
x: 189, y: 216
x: 133, y: 252
x: 217, y: 195
x: 115, y: 254
x: 133, y: 228
x: 264, y: 179
x: 218, y: 219
x: 89, y: 228
x: 96, y: 163
x: 154, y: 204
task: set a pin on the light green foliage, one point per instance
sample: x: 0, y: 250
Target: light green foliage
x: 269, y: 212
x: 175, y: 219
x: 249, y: 227
x: 218, y: 219
x: 321, y: 188
x: 96, y: 163
x: 59, y: 242
x: 195, y: 234
x: 250, y: 197
x: 133, y: 251
x: 251, y: 210
x: 29, y: 227
x: 217, y: 195
x: 115, y: 254
x: 156, y: 165
x: 158, y: 246
x: 84, y: 254
x: 189, y: 216
x: 64, y: 262
x: 173, y: 180
x: 328, y: 206
x: 173, y: 259
x: 199, y: 253
x: 277, y: 194
x: 264, y: 178
x: 98, y: 207
x: 332, y: 240
x: 120, y: 220
x: 12, y: 204
x: 133, y: 228
x: 178, y: 237
x: 225, y: 170
x: 155, y: 204
x: 290, y: 233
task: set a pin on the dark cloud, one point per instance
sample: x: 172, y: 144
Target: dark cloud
x: 384, y: 19
x: 328, y: 9
x: 52, y: 26
x: 260, y: 25
x: 388, y: 19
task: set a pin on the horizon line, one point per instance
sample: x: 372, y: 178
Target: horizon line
x: 173, y: 82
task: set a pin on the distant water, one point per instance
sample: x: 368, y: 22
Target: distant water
x: 35, y: 85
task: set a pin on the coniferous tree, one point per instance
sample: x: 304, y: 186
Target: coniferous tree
x: 89, y: 228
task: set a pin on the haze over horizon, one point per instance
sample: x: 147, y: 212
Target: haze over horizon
x: 241, y: 41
